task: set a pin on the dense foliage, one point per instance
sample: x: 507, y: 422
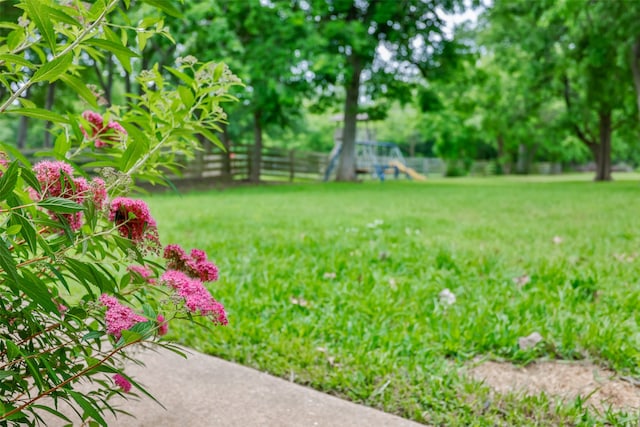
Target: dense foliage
x: 84, y: 276
x: 554, y: 81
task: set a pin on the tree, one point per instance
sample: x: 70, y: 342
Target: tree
x: 352, y: 33
x: 265, y: 44
x: 582, y: 53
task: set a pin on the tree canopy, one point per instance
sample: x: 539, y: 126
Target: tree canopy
x: 523, y: 82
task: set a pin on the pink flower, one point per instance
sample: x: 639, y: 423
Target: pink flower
x: 50, y: 176
x: 122, y: 382
x: 195, y: 265
x: 175, y: 254
x: 196, y: 297
x: 110, y: 133
x: 56, y: 180
x: 99, y: 191
x: 144, y: 272
x: 133, y: 219
x: 118, y: 317
x: 198, y: 255
x: 163, y: 325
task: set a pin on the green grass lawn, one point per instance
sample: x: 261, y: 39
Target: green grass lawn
x: 336, y: 286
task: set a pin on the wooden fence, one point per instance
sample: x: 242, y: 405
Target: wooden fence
x: 276, y: 164
x: 279, y: 164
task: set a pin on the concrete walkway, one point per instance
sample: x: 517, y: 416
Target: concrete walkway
x: 204, y: 391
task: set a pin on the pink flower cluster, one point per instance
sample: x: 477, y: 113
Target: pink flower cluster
x: 133, y: 220
x: 196, y: 297
x: 122, y: 382
x: 118, y: 317
x: 194, y: 265
x: 56, y: 180
x: 109, y: 133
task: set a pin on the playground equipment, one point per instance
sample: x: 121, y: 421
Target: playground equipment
x: 375, y: 158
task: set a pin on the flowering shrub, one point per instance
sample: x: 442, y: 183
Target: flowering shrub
x: 84, y: 276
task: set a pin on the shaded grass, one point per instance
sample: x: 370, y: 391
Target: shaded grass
x: 336, y: 286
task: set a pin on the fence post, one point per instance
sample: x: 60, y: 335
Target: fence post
x: 291, y: 165
x: 249, y: 161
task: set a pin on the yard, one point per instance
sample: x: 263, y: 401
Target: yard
x: 339, y: 287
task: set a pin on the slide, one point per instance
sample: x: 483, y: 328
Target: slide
x: 409, y: 171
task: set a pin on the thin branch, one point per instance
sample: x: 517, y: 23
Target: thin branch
x: 567, y: 99
x: 67, y: 381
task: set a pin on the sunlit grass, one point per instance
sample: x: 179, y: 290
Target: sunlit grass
x: 336, y: 286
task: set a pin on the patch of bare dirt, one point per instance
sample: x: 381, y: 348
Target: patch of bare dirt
x: 567, y: 380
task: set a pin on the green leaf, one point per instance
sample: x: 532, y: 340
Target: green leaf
x: 217, y: 72
x: 122, y: 52
x: 180, y: 75
x: 165, y: 6
x: 52, y: 412
x: 34, y: 288
x: 14, y: 229
x: 93, y: 335
x: 136, y: 149
x: 211, y: 137
x: 27, y: 231
x: 15, y: 153
x: 186, y: 95
x: 12, y: 350
x: 6, y: 374
x: 8, y: 264
x: 129, y: 336
x: 88, y: 407
x: 148, y: 311
x: 59, y: 275
x: 80, y: 88
x: 15, y: 37
x: 114, y: 47
x: 60, y: 205
x: 9, y: 180
x: 96, y: 10
x: 142, y: 37
x: 51, y: 71
x: 30, y: 178
x: 10, y: 59
x: 89, y: 275
x: 62, y: 146
x: 58, y: 12
x: 40, y: 113
x: 38, y: 14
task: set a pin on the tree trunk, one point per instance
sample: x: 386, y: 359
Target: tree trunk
x: 347, y: 165
x: 521, y: 162
x: 23, y: 127
x: 635, y: 69
x: 256, y: 155
x: 48, y: 104
x: 501, y: 162
x: 602, y: 150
